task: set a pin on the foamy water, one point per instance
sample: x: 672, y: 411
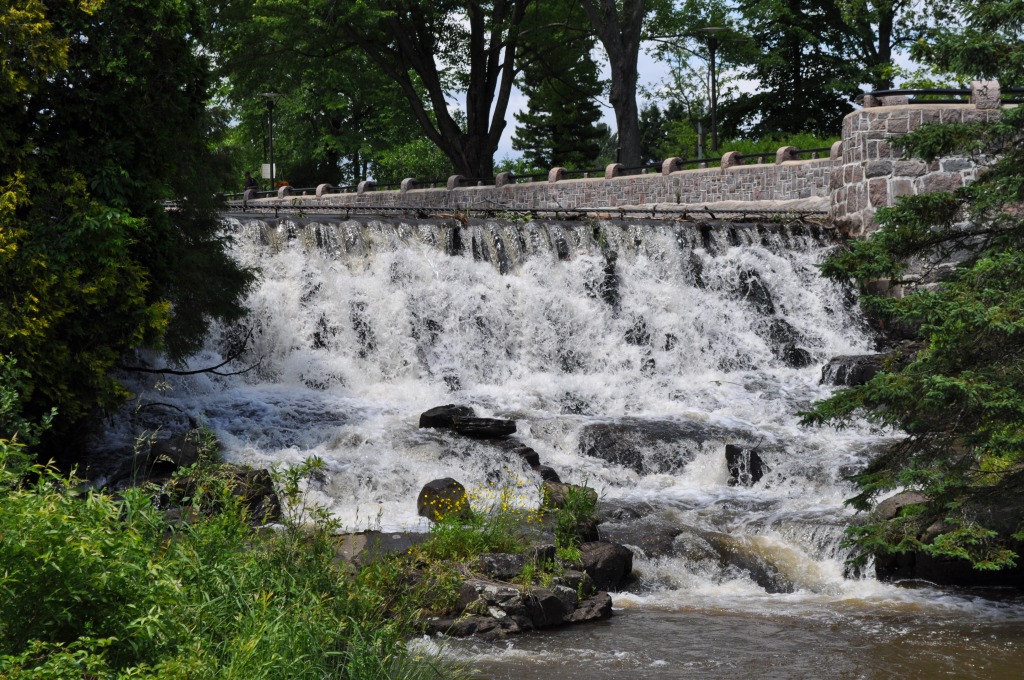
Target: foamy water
x: 359, y: 326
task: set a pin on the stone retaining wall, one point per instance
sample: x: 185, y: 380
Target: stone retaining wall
x: 872, y: 173
x: 864, y: 172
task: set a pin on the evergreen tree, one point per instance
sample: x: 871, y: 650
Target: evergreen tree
x: 560, y: 81
x: 806, y: 73
x: 959, y: 401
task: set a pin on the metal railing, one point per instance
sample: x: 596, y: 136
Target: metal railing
x: 942, y: 95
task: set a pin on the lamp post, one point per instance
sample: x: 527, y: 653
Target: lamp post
x: 712, y: 33
x: 271, y: 98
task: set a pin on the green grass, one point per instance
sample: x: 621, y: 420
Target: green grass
x: 101, y: 586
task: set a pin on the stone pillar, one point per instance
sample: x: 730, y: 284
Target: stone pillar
x: 670, y: 165
x: 454, y: 182
x: 284, y: 192
x: 836, y: 152
x: 731, y: 158
x: 366, y: 185
x: 612, y: 170
x: 322, y: 189
x: 556, y: 174
x: 985, y: 94
x: 786, y: 153
x: 504, y: 179
x: 408, y: 183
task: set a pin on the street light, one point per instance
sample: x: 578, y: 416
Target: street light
x: 712, y: 33
x: 271, y: 98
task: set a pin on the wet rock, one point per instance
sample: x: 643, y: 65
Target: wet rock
x: 652, y: 535
x: 644, y: 446
x: 745, y: 465
x: 483, y: 428
x: 608, y: 564
x: 850, y: 371
x: 594, y: 608
x: 529, y: 456
x: 547, y: 474
x: 546, y: 608
x: 253, y: 486
x: 441, y: 497
x: 444, y: 416
x: 753, y: 289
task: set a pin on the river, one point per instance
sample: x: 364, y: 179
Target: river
x: 660, y: 341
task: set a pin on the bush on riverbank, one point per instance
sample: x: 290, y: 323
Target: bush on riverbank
x: 97, y: 585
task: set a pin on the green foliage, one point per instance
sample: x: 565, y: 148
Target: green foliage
x: 560, y: 80
x: 578, y: 509
x: 102, y: 586
x: 805, y: 67
x: 960, y: 400
x: 101, y: 119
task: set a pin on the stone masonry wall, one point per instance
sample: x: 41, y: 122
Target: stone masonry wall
x: 788, y: 180
x: 872, y: 173
x: 863, y: 173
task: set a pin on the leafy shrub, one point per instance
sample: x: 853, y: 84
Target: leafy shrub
x: 101, y: 586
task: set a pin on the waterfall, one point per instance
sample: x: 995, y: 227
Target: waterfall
x: 630, y: 354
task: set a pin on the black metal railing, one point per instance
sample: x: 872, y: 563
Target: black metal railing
x: 943, y: 95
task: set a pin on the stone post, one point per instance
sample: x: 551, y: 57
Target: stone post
x: 670, y: 165
x: 556, y: 174
x: 612, y: 170
x: 731, y: 158
x: 366, y: 185
x: 786, y: 153
x: 284, y: 192
x: 322, y: 189
x: 985, y: 94
x: 504, y: 179
x: 408, y: 183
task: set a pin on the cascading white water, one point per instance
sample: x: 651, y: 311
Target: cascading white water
x: 574, y: 329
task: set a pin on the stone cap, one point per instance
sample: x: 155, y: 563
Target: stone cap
x: 557, y: 174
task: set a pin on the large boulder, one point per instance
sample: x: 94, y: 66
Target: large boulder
x: 443, y: 416
x: 644, y: 446
x: 441, y: 497
x: 483, y: 428
x: 609, y: 564
x: 853, y: 370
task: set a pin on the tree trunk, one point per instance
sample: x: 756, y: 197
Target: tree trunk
x: 620, y: 33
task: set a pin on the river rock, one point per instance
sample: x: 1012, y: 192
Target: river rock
x: 366, y: 547
x: 644, y: 446
x: 483, y: 428
x: 501, y: 566
x: 592, y: 609
x: 443, y: 416
x: 892, y: 506
x: 253, y: 486
x: 608, y: 564
x: 850, y: 371
x: 745, y: 465
x: 440, y: 497
x: 653, y: 535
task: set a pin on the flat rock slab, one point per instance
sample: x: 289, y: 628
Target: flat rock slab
x: 369, y: 546
x: 484, y: 428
